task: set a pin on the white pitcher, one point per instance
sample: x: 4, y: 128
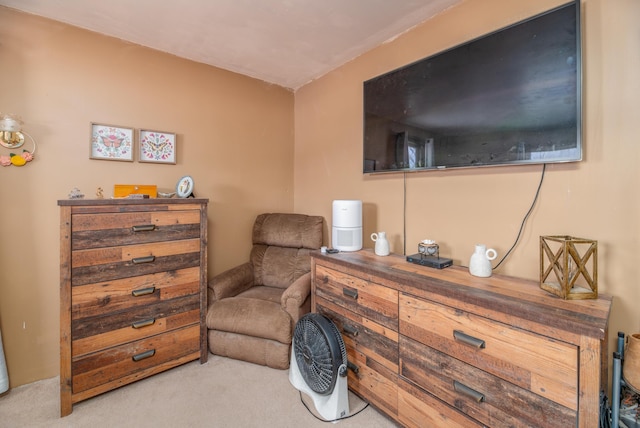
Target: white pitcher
x: 382, y: 245
x: 480, y: 263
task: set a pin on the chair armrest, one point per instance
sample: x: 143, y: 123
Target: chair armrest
x: 230, y: 282
x: 296, y: 296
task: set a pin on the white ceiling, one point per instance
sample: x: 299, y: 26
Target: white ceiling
x: 285, y: 42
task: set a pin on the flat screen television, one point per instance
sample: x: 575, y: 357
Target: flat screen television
x: 512, y: 97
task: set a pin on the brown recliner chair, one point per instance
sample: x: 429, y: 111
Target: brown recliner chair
x: 254, y: 307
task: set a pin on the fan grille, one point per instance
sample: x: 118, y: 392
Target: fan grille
x: 319, y: 351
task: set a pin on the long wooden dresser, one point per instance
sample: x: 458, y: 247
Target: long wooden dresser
x: 133, y: 276
x: 436, y: 348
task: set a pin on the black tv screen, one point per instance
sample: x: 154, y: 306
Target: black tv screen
x: 510, y: 97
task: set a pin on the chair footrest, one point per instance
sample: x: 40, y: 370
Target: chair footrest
x: 251, y: 317
x: 265, y: 352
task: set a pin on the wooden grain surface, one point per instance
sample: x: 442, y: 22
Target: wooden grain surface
x: 373, y: 301
x: 549, y: 353
x: 503, y: 404
x: 132, y: 280
x: 117, y: 295
x: 512, y: 300
x: 419, y: 409
x: 537, y: 363
x: 376, y: 341
x: 117, y: 362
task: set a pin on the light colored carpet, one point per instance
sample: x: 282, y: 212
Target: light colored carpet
x: 221, y: 393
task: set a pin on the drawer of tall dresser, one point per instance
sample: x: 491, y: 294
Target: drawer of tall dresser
x: 110, y: 263
x: 101, y: 298
x: 363, y: 297
x: 133, y: 331
x: 542, y: 365
x: 480, y: 395
x: 96, y: 230
x: 137, y: 317
x: 122, y: 362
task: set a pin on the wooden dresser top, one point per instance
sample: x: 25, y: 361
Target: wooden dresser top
x: 129, y: 201
x: 517, y: 300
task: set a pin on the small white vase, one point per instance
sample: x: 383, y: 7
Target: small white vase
x: 382, y: 245
x: 480, y: 262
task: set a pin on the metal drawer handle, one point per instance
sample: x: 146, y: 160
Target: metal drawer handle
x: 140, y: 260
x: 353, y: 367
x: 349, y: 329
x: 144, y: 228
x: 350, y: 292
x: 143, y: 291
x: 142, y: 356
x: 469, y: 340
x: 464, y: 389
x: 145, y: 323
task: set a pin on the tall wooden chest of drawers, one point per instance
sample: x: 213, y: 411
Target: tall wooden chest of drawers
x: 133, y: 276
x: 443, y: 348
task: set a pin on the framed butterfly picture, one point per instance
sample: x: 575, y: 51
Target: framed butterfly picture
x: 109, y: 142
x: 157, y: 146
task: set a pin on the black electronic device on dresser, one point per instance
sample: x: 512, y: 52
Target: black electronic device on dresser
x: 430, y: 261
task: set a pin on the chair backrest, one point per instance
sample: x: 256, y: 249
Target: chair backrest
x: 281, y: 246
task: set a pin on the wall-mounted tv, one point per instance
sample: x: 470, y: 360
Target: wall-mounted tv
x: 510, y: 97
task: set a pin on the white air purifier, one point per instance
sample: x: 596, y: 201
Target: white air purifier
x: 347, y: 225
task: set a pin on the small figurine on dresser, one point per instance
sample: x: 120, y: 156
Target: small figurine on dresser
x: 75, y: 193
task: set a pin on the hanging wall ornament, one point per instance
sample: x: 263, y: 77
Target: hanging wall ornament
x: 12, y: 137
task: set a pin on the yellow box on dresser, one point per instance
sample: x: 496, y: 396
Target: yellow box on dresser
x: 444, y: 348
x: 124, y: 190
x: 133, y: 277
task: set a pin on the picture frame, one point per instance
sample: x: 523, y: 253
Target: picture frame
x: 156, y: 147
x: 111, y: 142
x: 184, y: 187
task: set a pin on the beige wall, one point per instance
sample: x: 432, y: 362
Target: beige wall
x: 235, y: 137
x: 595, y: 199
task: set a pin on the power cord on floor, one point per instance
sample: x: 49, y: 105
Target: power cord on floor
x: 333, y: 420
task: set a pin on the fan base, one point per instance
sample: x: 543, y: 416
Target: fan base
x: 330, y: 407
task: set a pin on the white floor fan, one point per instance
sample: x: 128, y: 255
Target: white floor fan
x: 319, y: 365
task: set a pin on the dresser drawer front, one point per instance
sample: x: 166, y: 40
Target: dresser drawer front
x: 418, y: 409
x: 366, y: 298
x: 122, y: 294
x: 112, y: 229
x: 99, y: 324
x: 125, y: 360
x: 375, y: 341
x: 106, y: 264
x: 539, y: 364
x: 134, y: 331
x: 373, y: 382
x: 484, y: 397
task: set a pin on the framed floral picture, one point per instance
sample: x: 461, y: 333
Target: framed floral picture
x: 157, y: 146
x: 111, y: 142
